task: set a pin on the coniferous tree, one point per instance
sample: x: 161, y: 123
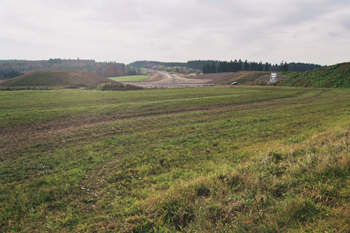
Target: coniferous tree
x: 283, y: 66
x: 221, y: 67
x: 225, y: 66
x: 235, y: 66
x: 253, y: 66
x: 240, y: 63
x: 213, y: 68
x: 230, y: 66
x: 246, y: 65
x: 206, y: 69
x: 302, y: 66
x: 267, y: 66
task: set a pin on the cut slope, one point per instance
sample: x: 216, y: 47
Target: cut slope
x: 56, y: 78
x: 213, y: 76
x: 241, y: 77
x: 330, y: 76
x: 229, y: 77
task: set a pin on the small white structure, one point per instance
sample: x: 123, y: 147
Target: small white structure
x: 273, y: 78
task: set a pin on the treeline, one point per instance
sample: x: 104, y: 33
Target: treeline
x: 150, y: 64
x: 195, y: 64
x: 234, y: 66
x: 215, y: 66
x: 7, y: 61
x: 7, y: 74
x: 301, y: 67
x: 13, y: 68
x: 178, y: 67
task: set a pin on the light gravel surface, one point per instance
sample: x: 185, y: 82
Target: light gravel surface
x: 172, y: 80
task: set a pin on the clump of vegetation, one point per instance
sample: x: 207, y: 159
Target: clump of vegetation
x: 257, y: 83
x: 115, y: 86
x: 132, y: 78
x: 23, y: 88
x: 207, y: 160
x: 336, y: 76
x: 179, y: 69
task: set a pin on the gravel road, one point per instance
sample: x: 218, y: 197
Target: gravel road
x: 172, y: 81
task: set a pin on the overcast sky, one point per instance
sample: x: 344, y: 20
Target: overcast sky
x: 312, y: 31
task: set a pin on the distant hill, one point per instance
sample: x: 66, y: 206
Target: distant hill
x: 13, y: 68
x: 337, y: 76
x: 56, y: 78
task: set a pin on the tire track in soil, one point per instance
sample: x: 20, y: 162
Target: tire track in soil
x: 44, y: 132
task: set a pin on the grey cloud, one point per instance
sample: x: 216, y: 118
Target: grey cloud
x: 183, y: 29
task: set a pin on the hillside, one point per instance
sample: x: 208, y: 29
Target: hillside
x: 330, y: 76
x: 56, y: 78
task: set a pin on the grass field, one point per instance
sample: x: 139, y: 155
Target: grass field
x: 143, y: 71
x: 132, y: 78
x: 221, y: 159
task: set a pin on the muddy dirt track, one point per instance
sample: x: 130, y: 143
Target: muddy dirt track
x: 70, y: 130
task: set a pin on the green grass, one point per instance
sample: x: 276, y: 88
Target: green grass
x: 143, y: 71
x: 233, y: 159
x: 132, y: 78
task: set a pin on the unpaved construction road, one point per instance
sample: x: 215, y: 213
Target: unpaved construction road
x: 169, y: 80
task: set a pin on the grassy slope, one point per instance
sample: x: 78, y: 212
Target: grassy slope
x: 143, y: 71
x: 331, y: 76
x: 211, y: 159
x: 55, y: 78
x: 133, y: 78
